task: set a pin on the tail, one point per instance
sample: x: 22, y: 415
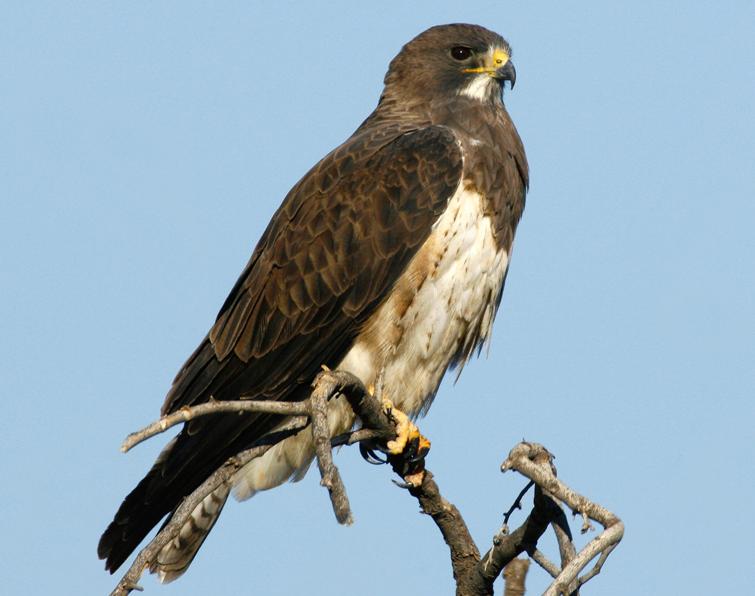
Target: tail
x: 199, y: 449
x: 176, y: 556
x: 140, y: 511
x: 138, y: 515
x: 177, y: 472
x: 180, y: 468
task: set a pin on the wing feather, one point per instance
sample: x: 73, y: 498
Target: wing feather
x: 329, y: 257
x: 334, y: 249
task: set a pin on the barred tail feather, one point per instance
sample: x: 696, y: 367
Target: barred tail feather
x: 176, y: 556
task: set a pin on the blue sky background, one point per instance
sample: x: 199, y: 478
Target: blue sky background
x: 143, y: 148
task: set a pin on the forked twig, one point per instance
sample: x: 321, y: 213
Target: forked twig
x: 188, y: 413
x: 310, y: 412
x: 534, y: 461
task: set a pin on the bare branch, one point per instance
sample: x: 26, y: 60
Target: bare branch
x: 327, y: 385
x: 368, y: 407
x: 330, y: 477
x: 463, y: 550
x: 526, y: 458
x: 474, y: 575
x: 506, y: 547
x: 356, y: 436
x: 535, y: 462
x: 514, y: 575
x: 212, y: 407
x: 602, y: 544
x: 544, y: 562
x: 598, y: 565
x: 517, y: 504
x: 566, y: 549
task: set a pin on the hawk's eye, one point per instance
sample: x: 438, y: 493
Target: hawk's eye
x: 460, y: 52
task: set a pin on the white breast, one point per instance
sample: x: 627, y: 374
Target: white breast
x: 448, y: 292
x: 445, y: 299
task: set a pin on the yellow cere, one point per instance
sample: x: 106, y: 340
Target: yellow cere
x: 499, y: 58
x: 493, y: 61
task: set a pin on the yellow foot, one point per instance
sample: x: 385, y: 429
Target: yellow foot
x: 406, y: 453
x: 407, y: 433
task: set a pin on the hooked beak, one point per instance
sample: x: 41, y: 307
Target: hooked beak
x: 507, y: 72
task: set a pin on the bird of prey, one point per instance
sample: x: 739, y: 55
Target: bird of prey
x: 388, y: 257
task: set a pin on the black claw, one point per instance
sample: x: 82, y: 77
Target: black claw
x: 410, y: 461
x: 420, y: 455
x: 404, y: 467
x: 410, y: 451
x: 371, y: 456
x: 413, y: 452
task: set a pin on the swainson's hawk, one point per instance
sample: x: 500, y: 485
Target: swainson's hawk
x: 389, y: 255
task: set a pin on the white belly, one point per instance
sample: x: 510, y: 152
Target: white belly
x: 441, y: 306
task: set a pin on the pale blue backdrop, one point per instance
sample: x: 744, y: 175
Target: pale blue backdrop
x: 143, y: 148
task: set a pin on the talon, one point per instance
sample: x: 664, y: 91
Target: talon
x: 370, y: 455
x: 406, y: 453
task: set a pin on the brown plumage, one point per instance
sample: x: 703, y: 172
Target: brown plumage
x: 336, y: 276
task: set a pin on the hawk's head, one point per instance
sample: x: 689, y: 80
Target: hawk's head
x: 449, y: 61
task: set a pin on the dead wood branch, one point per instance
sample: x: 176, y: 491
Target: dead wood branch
x: 474, y: 575
x: 514, y: 575
x: 507, y: 546
x: 544, y: 562
x: 330, y: 478
x: 535, y: 462
x: 313, y: 411
x: 213, y: 407
x: 464, y: 552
